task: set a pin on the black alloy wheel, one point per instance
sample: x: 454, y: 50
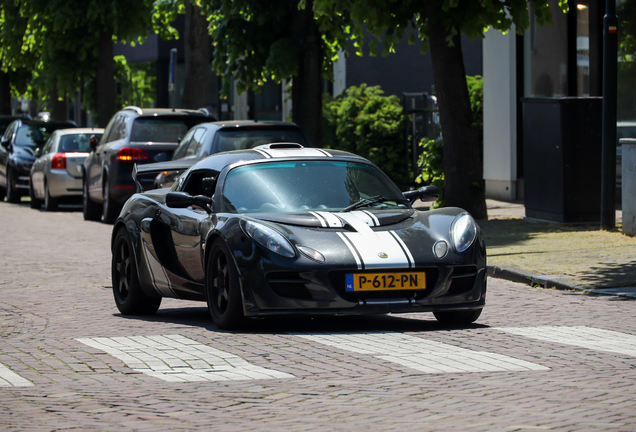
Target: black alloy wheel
x: 111, y: 209
x: 13, y: 196
x: 129, y: 297
x: 50, y: 203
x: 458, y: 317
x: 92, y: 211
x: 222, y: 290
x: 35, y: 203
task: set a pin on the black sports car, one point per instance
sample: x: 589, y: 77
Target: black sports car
x: 282, y: 229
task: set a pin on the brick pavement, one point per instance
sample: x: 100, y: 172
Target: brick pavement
x: 55, y: 287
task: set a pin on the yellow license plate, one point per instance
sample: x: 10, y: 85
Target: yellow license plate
x: 386, y: 281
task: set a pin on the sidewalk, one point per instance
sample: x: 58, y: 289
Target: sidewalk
x: 563, y: 256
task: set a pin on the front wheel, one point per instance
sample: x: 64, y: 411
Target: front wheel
x: 129, y: 297
x: 458, y: 317
x: 13, y: 196
x: 35, y: 203
x: 50, y: 203
x: 111, y: 209
x: 222, y: 288
x: 92, y: 211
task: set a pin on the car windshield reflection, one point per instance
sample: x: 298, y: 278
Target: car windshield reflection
x: 302, y: 186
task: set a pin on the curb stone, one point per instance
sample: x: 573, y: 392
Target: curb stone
x: 518, y: 275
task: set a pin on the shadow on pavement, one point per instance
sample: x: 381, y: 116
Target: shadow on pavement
x: 513, y: 231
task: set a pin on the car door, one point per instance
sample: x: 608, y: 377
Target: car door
x: 39, y: 169
x: 95, y: 161
x: 5, y: 154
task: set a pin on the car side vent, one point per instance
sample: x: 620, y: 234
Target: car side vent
x: 289, y: 284
x: 462, y: 279
x: 278, y: 146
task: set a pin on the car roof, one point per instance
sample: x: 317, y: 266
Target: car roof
x: 48, y: 124
x: 273, y: 152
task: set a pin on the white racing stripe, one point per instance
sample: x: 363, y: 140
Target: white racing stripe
x: 581, y: 336
x: 331, y: 219
x: 176, y: 358
x: 421, y: 354
x: 380, y: 250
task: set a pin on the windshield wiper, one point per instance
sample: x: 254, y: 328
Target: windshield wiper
x: 366, y: 202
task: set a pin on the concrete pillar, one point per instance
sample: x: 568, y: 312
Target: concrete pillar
x: 628, y: 173
x: 339, y: 74
x: 287, y: 100
x: 240, y: 107
x: 500, y: 115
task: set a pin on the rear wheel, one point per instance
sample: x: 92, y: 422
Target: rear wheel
x: 92, y: 211
x: 129, y: 297
x: 111, y: 209
x: 222, y: 288
x: 50, y: 203
x: 13, y: 196
x: 458, y: 318
x: 35, y: 203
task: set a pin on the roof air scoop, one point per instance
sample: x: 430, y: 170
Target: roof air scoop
x: 278, y: 146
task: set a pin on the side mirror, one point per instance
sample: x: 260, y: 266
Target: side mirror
x: 38, y: 152
x: 185, y: 200
x: 93, y: 142
x: 425, y: 194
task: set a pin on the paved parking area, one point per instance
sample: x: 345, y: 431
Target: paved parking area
x: 536, y: 360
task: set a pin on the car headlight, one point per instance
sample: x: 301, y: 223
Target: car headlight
x: 269, y: 239
x: 463, y: 232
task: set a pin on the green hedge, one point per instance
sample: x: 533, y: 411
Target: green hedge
x: 365, y: 122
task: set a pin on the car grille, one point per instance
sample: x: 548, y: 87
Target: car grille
x: 338, y: 281
x: 289, y: 284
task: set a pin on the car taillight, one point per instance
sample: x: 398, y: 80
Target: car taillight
x: 58, y: 161
x: 132, y: 154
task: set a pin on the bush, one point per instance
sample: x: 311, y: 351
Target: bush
x: 365, y: 122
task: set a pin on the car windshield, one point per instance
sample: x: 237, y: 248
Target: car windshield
x: 76, y: 143
x: 246, y: 138
x: 33, y: 135
x: 161, y: 129
x: 302, y: 186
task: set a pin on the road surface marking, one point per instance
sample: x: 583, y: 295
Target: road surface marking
x: 421, y: 354
x: 581, y: 336
x: 12, y: 379
x: 177, y: 358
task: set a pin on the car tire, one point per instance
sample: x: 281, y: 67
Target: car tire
x: 457, y: 317
x: 50, y: 203
x: 92, y: 211
x: 111, y: 209
x: 129, y: 297
x: 3, y: 193
x: 35, y: 203
x: 222, y: 291
x: 13, y: 196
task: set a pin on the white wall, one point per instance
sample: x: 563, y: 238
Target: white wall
x: 500, y: 115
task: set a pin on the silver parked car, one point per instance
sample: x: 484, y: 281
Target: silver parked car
x: 57, y: 173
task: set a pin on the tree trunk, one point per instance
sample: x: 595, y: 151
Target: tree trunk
x: 307, y: 85
x: 197, y: 58
x: 58, y: 108
x: 5, y: 94
x: 463, y: 166
x: 105, y: 79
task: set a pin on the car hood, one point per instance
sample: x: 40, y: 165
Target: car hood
x: 321, y: 219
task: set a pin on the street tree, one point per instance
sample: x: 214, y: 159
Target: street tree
x: 69, y: 42
x: 197, y: 45
x: 255, y: 42
x: 440, y: 25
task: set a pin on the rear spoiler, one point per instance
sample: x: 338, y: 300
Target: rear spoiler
x: 144, y: 175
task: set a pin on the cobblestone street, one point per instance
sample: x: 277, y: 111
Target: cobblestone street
x: 536, y: 359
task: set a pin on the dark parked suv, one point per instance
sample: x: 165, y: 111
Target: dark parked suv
x: 17, y: 149
x: 133, y: 136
